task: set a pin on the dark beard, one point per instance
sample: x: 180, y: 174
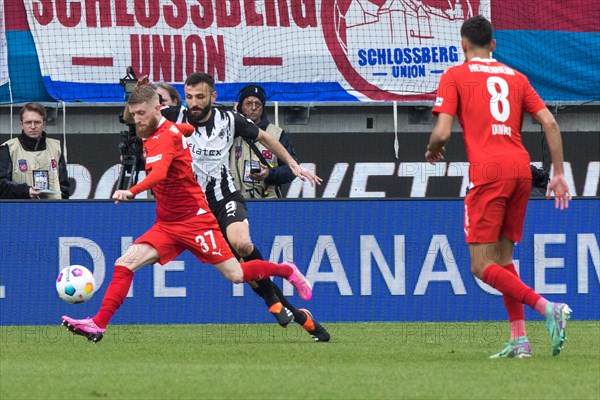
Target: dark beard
x: 196, y: 115
x: 145, y: 132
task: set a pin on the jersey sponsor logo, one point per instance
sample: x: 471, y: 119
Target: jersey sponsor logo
x: 152, y: 159
x: 205, y: 152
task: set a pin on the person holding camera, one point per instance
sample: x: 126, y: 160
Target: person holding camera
x: 257, y: 172
x: 32, y: 165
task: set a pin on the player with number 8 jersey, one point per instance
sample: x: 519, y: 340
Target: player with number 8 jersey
x: 489, y: 98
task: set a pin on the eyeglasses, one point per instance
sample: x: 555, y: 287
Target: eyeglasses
x: 34, y: 123
x: 253, y: 104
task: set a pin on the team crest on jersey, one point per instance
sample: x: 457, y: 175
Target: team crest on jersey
x: 53, y: 164
x: 238, y: 152
x: 222, y: 133
x: 439, y: 101
x: 23, y: 165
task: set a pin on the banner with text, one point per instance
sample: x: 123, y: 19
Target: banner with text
x: 405, y: 257
x: 352, y: 165
x: 302, y: 50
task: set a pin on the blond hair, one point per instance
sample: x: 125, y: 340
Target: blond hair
x: 143, y: 94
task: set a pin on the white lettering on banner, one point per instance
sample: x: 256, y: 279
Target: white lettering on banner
x: 592, y: 178
x: 362, y: 171
x: 303, y: 188
x: 326, y: 245
x: 439, y: 245
x: 369, y: 249
x: 283, y: 249
x: 325, y: 251
x: 65, y: 244
x: 83, y: 178
x: 126, y: 242
x: 420, y: 172
x: 2, y: 292
x: 160, y: 287
x: 487, y: 288
x: 541, y: 263
x: 335, y: 180
x: 107, y: 182
x: 586, y: 244
x: 460, y: 169
x: 414, y: 44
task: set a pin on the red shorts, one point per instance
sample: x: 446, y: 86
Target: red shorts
x: 200, y: 234
x: 496, y: 208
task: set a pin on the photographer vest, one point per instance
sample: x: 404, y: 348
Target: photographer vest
x: 242, y: 158
x: 43, y: 164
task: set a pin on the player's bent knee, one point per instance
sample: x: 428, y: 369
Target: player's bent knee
x: 231, y: 270
x: 243, y: 249
x: 235, y: 276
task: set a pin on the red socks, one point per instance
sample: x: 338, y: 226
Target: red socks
x: 256, y: 270
x: 516, y: 312
x: 115, y: 295
x: 514, y: 308
x: 510, y: 285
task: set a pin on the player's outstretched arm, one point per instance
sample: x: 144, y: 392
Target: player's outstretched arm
x: 558, y: 184
x: 277, y: 148
x: 438, y: 139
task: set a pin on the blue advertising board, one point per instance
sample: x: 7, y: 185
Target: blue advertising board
x: 383, y: 260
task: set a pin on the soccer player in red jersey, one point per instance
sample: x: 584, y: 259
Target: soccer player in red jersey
x: 183, y: 219
x: 490, y: 99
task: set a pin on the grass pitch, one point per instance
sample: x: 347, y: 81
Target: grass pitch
x: 363, y: 361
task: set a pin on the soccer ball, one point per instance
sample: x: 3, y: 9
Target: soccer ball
x: 75, y: 284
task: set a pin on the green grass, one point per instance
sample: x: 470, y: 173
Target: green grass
x: 363, y: 361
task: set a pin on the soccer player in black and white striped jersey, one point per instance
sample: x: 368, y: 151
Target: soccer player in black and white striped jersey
x: 210, y: 143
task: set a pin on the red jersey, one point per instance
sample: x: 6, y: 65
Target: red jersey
x: 489, y: 99
x: 169, y: 174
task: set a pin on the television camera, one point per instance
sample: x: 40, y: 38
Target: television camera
x: 130, y: 146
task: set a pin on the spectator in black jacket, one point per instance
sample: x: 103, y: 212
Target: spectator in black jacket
x: 32, y: 165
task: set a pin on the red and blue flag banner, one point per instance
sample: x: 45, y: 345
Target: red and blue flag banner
x: 302, y: 50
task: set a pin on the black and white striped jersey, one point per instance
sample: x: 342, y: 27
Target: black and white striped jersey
x: 210, y: 145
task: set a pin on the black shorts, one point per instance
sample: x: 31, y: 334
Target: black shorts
x: 229, y: 210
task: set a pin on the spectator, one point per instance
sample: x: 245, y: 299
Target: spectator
x: 258, y: 176
x: 32, y: 165
x: 169, y: 96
